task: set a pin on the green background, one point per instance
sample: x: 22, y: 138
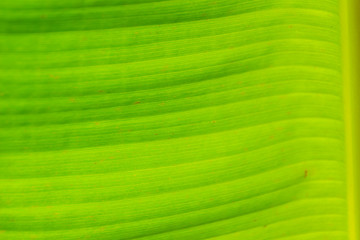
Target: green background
x: 175, y: 119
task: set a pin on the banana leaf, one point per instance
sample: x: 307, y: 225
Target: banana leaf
x: 178, y: 120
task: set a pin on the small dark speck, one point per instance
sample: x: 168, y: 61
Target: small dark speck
x: 137, y: 102
x: 54, y: 76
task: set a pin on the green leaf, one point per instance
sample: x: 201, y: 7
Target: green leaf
x: 173, y: 119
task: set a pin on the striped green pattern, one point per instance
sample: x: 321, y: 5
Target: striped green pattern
x: 171, y: 119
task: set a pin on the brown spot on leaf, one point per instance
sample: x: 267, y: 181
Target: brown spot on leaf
x: 54, y: 76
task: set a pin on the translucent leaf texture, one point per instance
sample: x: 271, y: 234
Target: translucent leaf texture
x: 171, y: 119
